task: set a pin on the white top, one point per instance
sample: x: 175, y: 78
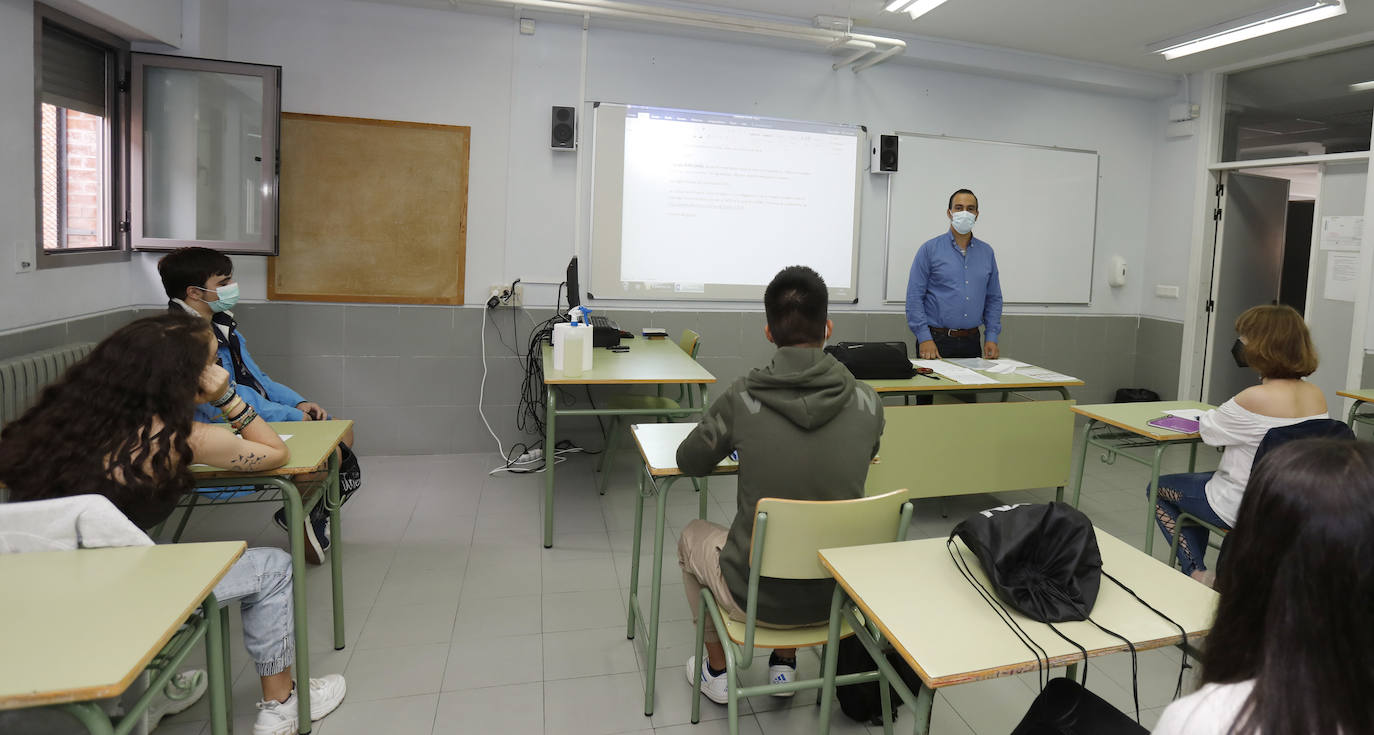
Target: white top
x: 1240, y: 431
x: 1210, y: 710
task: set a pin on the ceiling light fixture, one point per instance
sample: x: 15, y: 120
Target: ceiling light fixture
x: 1283, y: 17
x: 916, y: 8
x: 1362, y: 86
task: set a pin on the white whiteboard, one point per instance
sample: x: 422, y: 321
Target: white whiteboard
x: 1037, y: 209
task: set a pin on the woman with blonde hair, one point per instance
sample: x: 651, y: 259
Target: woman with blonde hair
x: 1274, y: 342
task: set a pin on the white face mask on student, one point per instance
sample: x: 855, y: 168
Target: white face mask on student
x: 963, y: 222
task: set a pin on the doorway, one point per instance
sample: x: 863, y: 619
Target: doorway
x: 1269, y: 248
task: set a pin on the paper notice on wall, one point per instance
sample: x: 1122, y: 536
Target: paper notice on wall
x: 1342, y: 233
x: 1342, y: 273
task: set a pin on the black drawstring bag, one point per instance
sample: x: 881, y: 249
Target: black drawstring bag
x: 1042, y: 559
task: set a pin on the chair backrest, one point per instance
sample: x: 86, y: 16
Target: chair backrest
x: 963, y: 448
x: 689, y: 342
x: 24, y: 377
x: 1310, y: 429
x: 797, y: 529
x: 59, y: 524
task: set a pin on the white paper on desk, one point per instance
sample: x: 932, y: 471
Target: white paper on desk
x: 1192, y: 414
x: 972, y: 363
x: 1040, y: 373
x: 948, y: 370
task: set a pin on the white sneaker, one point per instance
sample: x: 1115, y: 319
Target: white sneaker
x: 281, y: 718
x: 182, y: 690
x: 782, y: 674
x: 716, y: 688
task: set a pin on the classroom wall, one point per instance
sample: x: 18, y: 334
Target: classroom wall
x: 46, y: 296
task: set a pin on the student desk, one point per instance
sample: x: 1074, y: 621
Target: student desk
x: 312, y: 445
x: 1003, y: 383
x: 1360, y: 396
x: 1134, y: 419
x: 648, y: 362
x: 657, y: 445
x: 921, y: 604
x: 82, y: 625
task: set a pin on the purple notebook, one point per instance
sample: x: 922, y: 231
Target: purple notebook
x: 1174, y: 423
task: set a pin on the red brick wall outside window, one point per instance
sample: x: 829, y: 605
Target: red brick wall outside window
x: 73, y: 172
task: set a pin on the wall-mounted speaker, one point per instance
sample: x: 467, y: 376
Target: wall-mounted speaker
x: 884, y: 155
x: 563, y: 132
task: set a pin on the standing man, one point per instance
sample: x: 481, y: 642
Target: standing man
x: 954, y: 289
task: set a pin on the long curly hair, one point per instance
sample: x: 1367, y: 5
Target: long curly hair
x: 93, y: 431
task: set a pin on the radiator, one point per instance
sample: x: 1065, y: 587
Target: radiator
x: 24, y: 377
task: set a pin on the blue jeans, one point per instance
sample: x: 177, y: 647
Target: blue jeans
x: 1186, y: 493
x: 261, y: 581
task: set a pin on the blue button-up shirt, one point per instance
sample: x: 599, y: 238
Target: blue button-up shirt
x: 954, y: 290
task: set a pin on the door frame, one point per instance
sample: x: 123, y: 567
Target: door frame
x: 1212, y: 97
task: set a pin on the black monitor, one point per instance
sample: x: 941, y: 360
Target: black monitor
x: 574, y: 294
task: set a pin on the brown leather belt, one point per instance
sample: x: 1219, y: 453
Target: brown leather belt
x: 942, y: 332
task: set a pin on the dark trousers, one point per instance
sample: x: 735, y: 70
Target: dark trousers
x: 970, y: 346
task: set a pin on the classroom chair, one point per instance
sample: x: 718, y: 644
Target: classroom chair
x: 1311, y: 429
x: 690, y: 342
x: 787, y: 536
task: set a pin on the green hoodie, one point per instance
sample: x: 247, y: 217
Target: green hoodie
x: 805, y: 429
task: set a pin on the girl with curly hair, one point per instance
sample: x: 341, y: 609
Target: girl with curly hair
x: 119, y: 424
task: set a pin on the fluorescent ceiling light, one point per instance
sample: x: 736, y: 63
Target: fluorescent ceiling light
x: 1283, y: 17
x: 916, y: 8
x: 1362, y: 86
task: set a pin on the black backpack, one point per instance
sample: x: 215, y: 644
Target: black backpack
x: 874, y: 360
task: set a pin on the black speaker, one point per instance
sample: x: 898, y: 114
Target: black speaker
x: 885, y: 155
x: 563, y: 133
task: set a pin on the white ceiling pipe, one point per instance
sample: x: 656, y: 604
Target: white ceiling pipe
x: 863, y: 49
x: 710, y: 21
x: 880, y: 58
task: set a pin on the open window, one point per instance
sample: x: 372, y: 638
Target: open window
x: 204, y: 140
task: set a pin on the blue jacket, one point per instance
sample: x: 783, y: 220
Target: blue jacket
x: 276, y: 402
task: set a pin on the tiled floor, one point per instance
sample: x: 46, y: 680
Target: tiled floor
x: 460, y: 622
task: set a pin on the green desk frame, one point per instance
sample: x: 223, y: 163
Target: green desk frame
x: 1360, y: 397
x: 657, y: 481
x: 1133, y: 418
x: 310, y: 439
x: 649, y: 362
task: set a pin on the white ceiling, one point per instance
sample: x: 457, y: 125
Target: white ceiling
x: 1112, y: 32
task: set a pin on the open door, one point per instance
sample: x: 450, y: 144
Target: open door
x: 1247, y: 272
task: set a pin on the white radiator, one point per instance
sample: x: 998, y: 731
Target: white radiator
x: 24, y: 377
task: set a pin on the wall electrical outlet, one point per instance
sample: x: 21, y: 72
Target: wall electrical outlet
x: 23, y: 257
x: 507, y: 296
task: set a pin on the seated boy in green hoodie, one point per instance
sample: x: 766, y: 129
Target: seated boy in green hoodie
x: 805, y: 429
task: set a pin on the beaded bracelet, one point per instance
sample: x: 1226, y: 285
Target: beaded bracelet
x: 240, y: 422
x: 226, y: 397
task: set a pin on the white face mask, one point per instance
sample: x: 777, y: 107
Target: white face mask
x: 963, y: 222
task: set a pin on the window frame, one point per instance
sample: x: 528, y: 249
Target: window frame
x: 269, y: 156
x: 115, y: 184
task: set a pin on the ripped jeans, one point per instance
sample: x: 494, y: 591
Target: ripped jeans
x: 261, y: 582
x: 1186, y: 493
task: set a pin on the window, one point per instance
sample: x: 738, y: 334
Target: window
x: 80, y: 160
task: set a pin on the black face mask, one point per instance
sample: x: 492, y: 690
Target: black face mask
x: 1238, y: 352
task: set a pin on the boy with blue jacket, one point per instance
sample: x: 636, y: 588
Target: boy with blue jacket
x: 201, y: 281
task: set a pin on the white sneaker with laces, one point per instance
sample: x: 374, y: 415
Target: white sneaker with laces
x: 281, y: 718
x: 782, y: 674
x: 716, y: 688
x: 183, y: 690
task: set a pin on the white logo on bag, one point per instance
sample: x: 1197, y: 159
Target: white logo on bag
x: 1000, y: 509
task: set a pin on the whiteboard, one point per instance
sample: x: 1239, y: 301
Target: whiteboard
x: 1037, y: 209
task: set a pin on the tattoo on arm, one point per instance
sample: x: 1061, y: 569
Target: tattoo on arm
x: 247, y: 462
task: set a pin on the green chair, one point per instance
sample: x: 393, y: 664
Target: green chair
x: 1188, y: 519
x: 787, y: 536
x: 690, y: 342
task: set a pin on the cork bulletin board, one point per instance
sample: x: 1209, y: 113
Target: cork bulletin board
x: 371, y: 211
